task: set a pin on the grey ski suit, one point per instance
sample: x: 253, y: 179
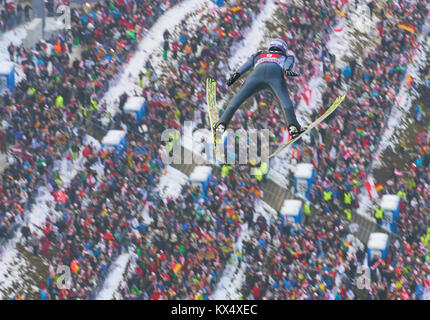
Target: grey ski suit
x: 269, y: 68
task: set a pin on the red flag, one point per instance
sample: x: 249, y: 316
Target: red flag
x: 17, y: 150
x: 306, y: 98
x: 370, y: 186
x: 315, y: 157
x: 185, y: 68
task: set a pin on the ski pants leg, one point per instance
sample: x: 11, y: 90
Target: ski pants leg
x: 275, y: 80
x: 265, y: 76
x: 251, y: 86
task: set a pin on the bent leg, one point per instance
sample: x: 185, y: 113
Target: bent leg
x: 250, y: 87
x: 279, y: 88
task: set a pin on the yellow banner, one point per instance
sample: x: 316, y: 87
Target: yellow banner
x: 236, y: 9
x: 408, y: 28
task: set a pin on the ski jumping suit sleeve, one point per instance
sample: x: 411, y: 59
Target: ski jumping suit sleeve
x: 269, y: 68
x: 248, y: 65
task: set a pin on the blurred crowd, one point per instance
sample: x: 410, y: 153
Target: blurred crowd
x: 187, y: 264
x: 404, y: 274
x: 192, y: 241
x: 289, y: 261
x: 180, y: 246
x: 45, y: 116
x: 99, y: 243
x: 13, y: 14
x: 342, y: 154
x: 199, y: 285
x: 43, y: 122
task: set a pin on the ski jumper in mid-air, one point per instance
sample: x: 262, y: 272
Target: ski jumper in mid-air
x: 269, y: 69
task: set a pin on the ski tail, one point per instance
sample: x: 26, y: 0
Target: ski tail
x: 213, y: 112
x: 211, y: 102
x: 312, y: 125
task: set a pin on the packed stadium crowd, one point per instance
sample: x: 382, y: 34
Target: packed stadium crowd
x: 188, y: 264
x: 13, y: 14
x: 46, y: 113
x: 183, y: 251
x: 193, y: 240
x: 86, y: 289
x: 327, y: 194
x: 406, y: 270
x: 344, y: 156
x: 43, y: 120
x: 72, y: 105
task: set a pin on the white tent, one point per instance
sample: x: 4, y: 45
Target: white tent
x: 134, y: 104
x: 390, y: 202
x: 304, y: 171
x: 113, y: 137
x: 291, y: 207
x: 377, y: 241
x: 200, y: 173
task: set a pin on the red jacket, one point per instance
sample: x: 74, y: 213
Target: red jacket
x: 48, y: 228
x: 175, y: 46
x: 108, y: 236
x: 155, y: 296
x: 86, y: 152
x: 256, y: 292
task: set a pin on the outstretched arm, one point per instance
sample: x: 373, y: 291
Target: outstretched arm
x: 288, y: 67
x: 247, y: 65
x: 243, y: 69
x: 289, y: 63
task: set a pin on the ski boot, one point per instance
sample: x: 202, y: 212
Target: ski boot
x: 294, y: 131
x: 219, y: 127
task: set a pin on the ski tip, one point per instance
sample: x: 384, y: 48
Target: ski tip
x: 210, y: 82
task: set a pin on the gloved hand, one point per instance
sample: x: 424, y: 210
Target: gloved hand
x: 233, y: 78
x: 291, y: 74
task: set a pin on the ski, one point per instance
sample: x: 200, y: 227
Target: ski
x: 312, y: 125
x: 213, y: 111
